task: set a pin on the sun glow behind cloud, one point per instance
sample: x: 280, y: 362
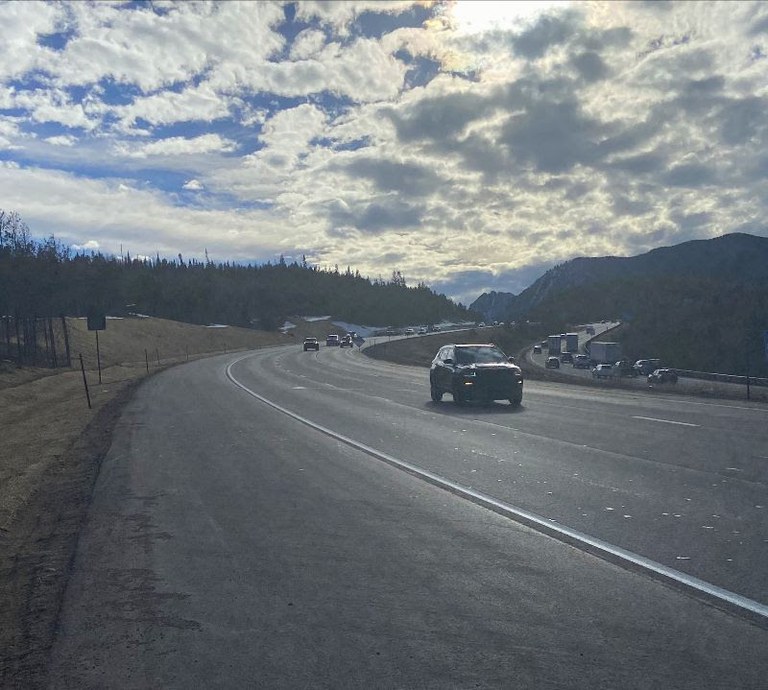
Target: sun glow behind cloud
x: 481, y: 16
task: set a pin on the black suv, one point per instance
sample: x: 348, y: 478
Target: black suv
x: 474, y: 372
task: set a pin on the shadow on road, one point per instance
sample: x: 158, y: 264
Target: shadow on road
x: 448, y: 407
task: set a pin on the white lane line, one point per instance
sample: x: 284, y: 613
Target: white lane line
x: 665, y: 421
x: 706, y: 591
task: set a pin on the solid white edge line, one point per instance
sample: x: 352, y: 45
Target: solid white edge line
x: 703, y: 590
x: 664, y: 421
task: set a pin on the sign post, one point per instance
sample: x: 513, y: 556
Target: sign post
x: 97, y: 321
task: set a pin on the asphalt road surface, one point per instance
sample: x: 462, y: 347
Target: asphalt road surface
x: 230, y: 544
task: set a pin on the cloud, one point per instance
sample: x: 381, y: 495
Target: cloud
x: 466, y: 150
x: 408, y: 179
x: 180, y: 146
x: 62, y: 141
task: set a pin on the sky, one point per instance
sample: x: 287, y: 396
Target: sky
x: 469, y: 145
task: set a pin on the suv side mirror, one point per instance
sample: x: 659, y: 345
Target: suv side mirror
x: 513, y: 360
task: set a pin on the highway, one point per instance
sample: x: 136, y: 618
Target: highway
x: 248, y: 528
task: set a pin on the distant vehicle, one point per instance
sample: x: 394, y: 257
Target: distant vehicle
x: 572, y: 342
x: 647, y: 366
x: 537, y: 349
x: 566, y: 357
x: 409, y: 331
x: 604, y: 352
x: 422, y: 331
x: 346, y: 341
x: 602, y: 371
x: 471, y: 372
x: 581, y: 362
x: 623, y: 369
x: 552, y: 363
x: 390, y: 331
x: 311, y: 344
x: 332, y: 340
x: 481, y: 324
x: 590, y: 330
x: 663, y: 376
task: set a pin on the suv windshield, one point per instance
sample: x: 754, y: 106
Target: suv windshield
x: 479, y: 355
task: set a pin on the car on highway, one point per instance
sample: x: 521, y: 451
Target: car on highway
x: 602, y: 371
x: 552, y: 363
x: 332, y: 340
x: 581, y: 362
x: 663, y: 376
x: 537, y: 349
x: 475, y: 372
x: 566, y: 358
x: 311, y: 344
x: 646, y: 366
x: 346, y: 341
x: 623, y: 369
x: 422, y: 331
x: 409, y: 331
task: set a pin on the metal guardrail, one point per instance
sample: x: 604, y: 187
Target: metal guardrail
x: 722, y: 378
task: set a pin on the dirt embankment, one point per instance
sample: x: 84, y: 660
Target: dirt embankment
x: 420, y: 350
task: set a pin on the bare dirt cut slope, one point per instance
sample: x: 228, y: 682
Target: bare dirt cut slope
x: 51, y: 445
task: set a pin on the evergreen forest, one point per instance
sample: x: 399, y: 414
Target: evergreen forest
x: 46, y: 278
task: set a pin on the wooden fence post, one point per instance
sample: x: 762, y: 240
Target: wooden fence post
x: 66, y: 340
x: 85, y: 382
x: 54, y: 358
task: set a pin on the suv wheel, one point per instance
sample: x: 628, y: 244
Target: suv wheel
x: 458, y: 396
x: 436, y: 393
x: 515, y: 402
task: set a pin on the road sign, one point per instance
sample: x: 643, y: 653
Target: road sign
x: 97, y: 320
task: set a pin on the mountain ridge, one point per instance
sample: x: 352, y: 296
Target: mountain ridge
x: 731, y: 258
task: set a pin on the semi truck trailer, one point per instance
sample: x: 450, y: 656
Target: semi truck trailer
x: 572, y: 342
x: 604, y: 353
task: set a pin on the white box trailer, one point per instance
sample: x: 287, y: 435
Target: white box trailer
x: 604, y: 353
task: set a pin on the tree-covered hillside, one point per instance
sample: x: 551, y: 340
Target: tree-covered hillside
x: 688, y: 322
x: 45, y: 278
x: 700, y: 305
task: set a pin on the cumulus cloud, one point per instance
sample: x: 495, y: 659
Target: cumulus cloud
x: 468, y: 145
x: 176, y: 146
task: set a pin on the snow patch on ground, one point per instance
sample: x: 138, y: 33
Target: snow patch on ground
x: 364, y: 331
